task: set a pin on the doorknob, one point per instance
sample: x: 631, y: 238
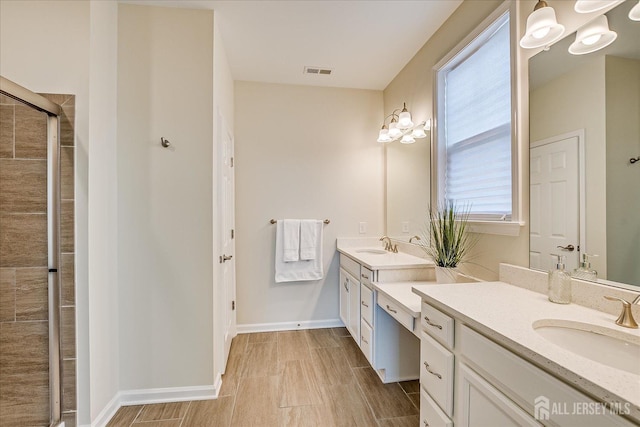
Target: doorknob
x: 569, y: 248
x: 224, y: 258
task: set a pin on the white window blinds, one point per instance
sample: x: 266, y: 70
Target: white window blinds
x: 477, y: 125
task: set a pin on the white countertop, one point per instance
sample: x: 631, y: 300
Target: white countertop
x: 386, y: 261
x: 505, y: 313
x: 401, y: 293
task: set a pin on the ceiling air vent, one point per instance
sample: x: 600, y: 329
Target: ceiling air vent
x: 317, y: 70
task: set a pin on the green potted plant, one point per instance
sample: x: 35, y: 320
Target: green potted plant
x: 448, y: 240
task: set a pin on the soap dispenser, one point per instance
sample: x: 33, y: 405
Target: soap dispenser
x: 585, y: 272
x: 559, y: 283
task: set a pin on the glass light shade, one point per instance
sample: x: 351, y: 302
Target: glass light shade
x: 407, y: 139
x: 383, y: 136
x: 427, y: 125
x: 634, y: 13
x: 588, y: 6
x: 404, y: 121
x: 542, y: 29
x: 418, y: 133
x: 593, y: 36
x: 394, y: 132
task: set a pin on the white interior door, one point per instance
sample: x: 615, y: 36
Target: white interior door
x: 226, y: 208
x: 555, y: 201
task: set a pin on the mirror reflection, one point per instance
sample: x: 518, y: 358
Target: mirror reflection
x: 584, y: 135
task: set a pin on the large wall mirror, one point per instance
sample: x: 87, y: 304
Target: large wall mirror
x: 584, y: 137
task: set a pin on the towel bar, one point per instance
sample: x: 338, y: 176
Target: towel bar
x: 273, y: 221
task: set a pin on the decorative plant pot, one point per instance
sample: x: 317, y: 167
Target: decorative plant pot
x: 446, y: 275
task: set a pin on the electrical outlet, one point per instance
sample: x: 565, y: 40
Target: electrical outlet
x: 363, y: 227
x: 405, y: 227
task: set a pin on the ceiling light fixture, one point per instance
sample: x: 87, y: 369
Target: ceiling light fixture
x: 634, y: 13
x: 401, y: 126
x: 593, y: 36
x: 542, y: 27
x: 588, y: 6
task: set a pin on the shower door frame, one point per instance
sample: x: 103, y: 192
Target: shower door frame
x: 53, y: 111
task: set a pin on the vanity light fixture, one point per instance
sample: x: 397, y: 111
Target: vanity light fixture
x: 401, y: 126
x: 634, y: 13
x: 542, y: 27
x: 593, y: 36
x: 588, y: 6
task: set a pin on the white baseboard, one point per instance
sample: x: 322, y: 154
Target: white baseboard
x: 156, y: 395
x: 289, y: 326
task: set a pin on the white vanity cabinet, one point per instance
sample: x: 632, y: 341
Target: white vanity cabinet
x: 469, y: 380
x: 350, y: 296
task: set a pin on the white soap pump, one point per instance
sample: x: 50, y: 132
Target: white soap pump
x: 559, y: 283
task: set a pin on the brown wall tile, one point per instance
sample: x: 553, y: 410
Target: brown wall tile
x: 66, y: 173
x: 67, y: 278
x: 67, y: 221
x: 69, y: 385
x: 23, y: 240
x: 23, y: 186
x: 24, y: 374
x: 70, y: 419
x: 7, y: 294
x: 6, y: 100
x: 6, y: 131
x: 67, y: 120
x: 30, y: 133
x: 68, y: 332
x: 32, y: 296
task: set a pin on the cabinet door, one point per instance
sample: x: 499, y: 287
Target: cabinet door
x: 354, y: 308
x: 344, y: 298
x: 481, y: 404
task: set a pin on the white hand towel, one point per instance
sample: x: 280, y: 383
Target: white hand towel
x: 302, y: 270
x: 290, y: 239
x: 309, y: 238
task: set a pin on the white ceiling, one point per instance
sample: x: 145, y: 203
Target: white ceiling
x: 365, y: 42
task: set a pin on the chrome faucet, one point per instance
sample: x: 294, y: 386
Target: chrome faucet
x: 626, y: 315
x: 388, y: 246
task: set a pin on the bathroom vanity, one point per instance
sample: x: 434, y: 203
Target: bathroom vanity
x: 379, y: 309
x: 486, y: 359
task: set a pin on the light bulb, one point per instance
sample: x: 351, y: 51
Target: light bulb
x: 542, y: 32
x: 591, y: 40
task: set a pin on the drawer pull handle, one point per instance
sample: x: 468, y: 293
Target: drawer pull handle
x: 364, y: 276
x: 391, y: 309
x: 435, y: 325
x: 346, y: 287
x: 426, y: 366
x: 363, y: 340
x: 363, y: 303
x: 426, y: 424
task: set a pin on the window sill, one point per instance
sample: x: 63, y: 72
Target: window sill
x: 502, y: 228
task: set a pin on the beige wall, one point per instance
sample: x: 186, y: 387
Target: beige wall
x: 623, y: 191
x: 302, y: 152
x: 563, y: 105
x: 165, y: 227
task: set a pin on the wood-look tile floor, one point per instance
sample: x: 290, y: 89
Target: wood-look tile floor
x: 309, y: 378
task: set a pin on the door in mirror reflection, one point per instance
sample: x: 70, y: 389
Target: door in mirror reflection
x: 555, y: 202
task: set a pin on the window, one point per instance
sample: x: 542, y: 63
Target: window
x: 474, y: 135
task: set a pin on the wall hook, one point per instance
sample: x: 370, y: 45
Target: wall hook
x: 165, y: 142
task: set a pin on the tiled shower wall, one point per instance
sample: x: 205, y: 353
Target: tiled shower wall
x: 24, y: 370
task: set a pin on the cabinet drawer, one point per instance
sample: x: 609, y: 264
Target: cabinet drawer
x: 366, y: 341
x: 430, y: 414
x: 366, y: 275
x: 366, y: 303
x: 350, y: 265
x: 403, y: 317
x: 436, y: 372
x: 437, y: 324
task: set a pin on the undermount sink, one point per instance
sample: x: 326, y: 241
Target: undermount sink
x: 603, y: 345
x: 371, y: 251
